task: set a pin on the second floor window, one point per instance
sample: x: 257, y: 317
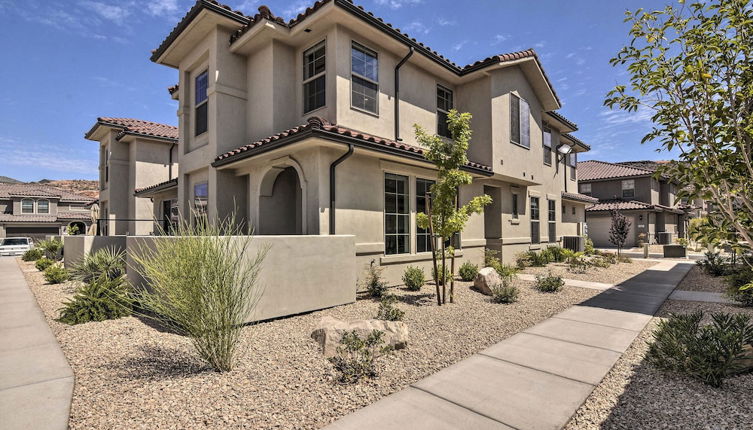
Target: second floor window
x: 572, y: 160
x: 27, y: 206
x: 585, y: 189
x: 628, y: 188
x: 547, y: 142
x: 365, y: 78
x: 535, y: 231
x: 519, y: 121
x: 314, y: 78
x: 200, y: 103
x: 444, y: 104
x: 43, y: 206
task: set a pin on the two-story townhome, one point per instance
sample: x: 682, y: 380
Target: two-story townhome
x: 132, y: 154
x: 34, y: 210
x: 633, y: 189
x: 307, y: 127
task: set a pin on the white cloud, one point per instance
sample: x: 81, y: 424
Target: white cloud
x: 56, y: 158
x: 540, y: 44
x: 445, y: 22
x: 416, y: 27
x: 458, y: 46
x: 247, y: 6
x: 162, y: 7
x: 397, y: 4
x: 499, y: 38
x: 296, y: 8
x: 115, y: 13
x: 570, y: 55
x: 621, y: 117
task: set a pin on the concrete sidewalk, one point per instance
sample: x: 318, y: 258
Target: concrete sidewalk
x: 535, y: 379
x: 36, y: 382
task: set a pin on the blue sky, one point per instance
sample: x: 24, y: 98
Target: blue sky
x: 68, y: 62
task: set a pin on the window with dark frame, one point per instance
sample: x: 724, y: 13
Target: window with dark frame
x: 515, y: 211
x: 573, y: 161
x: 423, y: 239
x: 628, y: 188
x: 535, y: 231
x: 396, y: 215
x: 444, y: 104
x: 314, y: 77
x: 519, y: 121
x: 547, y: 142
x: 27, y: 206
x: 552, y: 218
x: 201, y: 198
x: 364, y: 75
x: 200, y: 103
x: 43, y: 206
x: 585, y: 189
x: 107, y: 163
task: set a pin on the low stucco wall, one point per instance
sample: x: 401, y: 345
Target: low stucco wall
x: 76, y: 248
x: 299, y: 273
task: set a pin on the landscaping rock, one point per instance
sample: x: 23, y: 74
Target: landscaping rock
x: 330, y: 330
x: 486, y: 279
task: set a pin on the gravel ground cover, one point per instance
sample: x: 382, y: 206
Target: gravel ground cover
x: 131, y: 375
x: 613, y: 274
x: 636, y: 395
x: 698, y: 280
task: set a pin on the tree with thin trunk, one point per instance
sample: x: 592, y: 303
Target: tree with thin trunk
x: 618, y: 231
x: 691, y: 69
x: 446, y: 218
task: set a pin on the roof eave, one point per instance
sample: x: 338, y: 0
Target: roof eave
x: 125, y: 133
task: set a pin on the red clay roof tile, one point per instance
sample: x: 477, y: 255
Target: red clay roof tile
x: 141, y: 127
x: 593, y: 170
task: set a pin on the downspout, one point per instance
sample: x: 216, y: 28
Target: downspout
x: 170, y: 160
x: 332, y: 188
x: 397, y: 92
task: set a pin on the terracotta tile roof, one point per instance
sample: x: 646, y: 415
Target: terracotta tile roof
x: 38, y: 190
x: 619, y: 205
x: 138, y: 127
x: 80, y: 215
x: 595, y: 170
x: 579, y: 197
x: 323, y: 129
x: 645, y: 164
x: 166, y: 185
x: 27, y: 218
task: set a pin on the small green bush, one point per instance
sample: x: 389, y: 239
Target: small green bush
x: 740, y: 286
x: 491, y: 257
x: 387, y: 309
x: 102, y: 299
x: 468, y: 271
x: 588, y: 248
x: 374, y: 283
x: 599, y: 261
x: 356, y: 357
x: 506, y: 271
x: 624, y: 259
x: 610, y: 257
x: 105, y: 262
x: 33, y: 254
x: 56, y: 274
x: 709, y: 353
x: 714, y: 264
x: 504, y: 293
x: 51, y: 248
x: 440, y: 269
x: 538, y: 259
x: 555, y: 254
x: 43, y: 263
x: 413, y: 278
x: 549, y: 283
x: 577, y: 263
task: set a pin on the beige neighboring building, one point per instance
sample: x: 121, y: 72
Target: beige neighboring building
x: 306, y: 128
x: 133, y: 154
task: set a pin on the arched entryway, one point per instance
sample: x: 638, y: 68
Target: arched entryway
x: 77, y: 227
x: 281, y: 202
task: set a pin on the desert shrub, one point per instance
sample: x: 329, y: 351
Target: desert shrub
x: 740, y: 285
x: 33, y: 254
x: 439, y: 270
x: 51, y: 248
x: 549, y: 283
x: 491, y: 257
x: 506, y: 271
x: 387, y: 309
x: 555, y: 254
x: 468, y: 271
x: 577, y: 263
x: 714, y: 264
x: 202, y: 284
x: 588, y: 248
x: 43, y: 263
x: 107, y: 262
x: 610, y: 257
x: 413, y: 278
x: 504, y: 293
x: 373, y: 281
x: 624, y: 259
x: 682, y: 241
x: 356, y: 357
x: 538, y: 259
x: 56, y: 274
x: 709, y: 353
x: 599, y: 261
x: 101, y: 299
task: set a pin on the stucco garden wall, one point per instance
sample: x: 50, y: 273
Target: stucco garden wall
x: 76, y: 247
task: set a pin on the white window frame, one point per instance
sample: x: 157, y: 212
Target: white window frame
x: 33, y: 206
x: 306, y: 80
x: 48, y: 206
x: 367, y: 50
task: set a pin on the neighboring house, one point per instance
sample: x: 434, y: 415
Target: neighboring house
x: 633, y: 189
x: 36, y: 211
x: 307, y: 127
x: 133, y: 154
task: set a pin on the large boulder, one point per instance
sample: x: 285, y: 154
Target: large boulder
x: 330, y: 330
x: 486, y: 279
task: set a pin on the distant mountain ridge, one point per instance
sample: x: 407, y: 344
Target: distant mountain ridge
x: 7, y: 180
x: 77, y: 186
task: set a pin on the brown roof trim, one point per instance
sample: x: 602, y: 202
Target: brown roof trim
x: 577, y: 141
x: 126, y: 127
x: 578, y: 197
x: 162, y: 186
x: 559, y: 117
x: 321, y: 128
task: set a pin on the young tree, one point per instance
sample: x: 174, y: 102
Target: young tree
x: 691, y: 67
x: 446, y: 217
x: 618, y: 231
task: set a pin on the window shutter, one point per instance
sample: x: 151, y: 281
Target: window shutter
x: 525, y: 135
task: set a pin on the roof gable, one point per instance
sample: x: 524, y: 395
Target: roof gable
x: 136, y: 127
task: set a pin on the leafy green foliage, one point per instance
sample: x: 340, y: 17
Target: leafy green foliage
x: 441, y: 273
x: 709, y: 353
x: 554, y: 254
x: 56, y: 274
x: 107, y: 262
x: 51, y: 248
x: 373, y: 281
x: 714, y: 264
x: 387, y: 309
x: 577, y: 263
x: 588, y: 248
x: 549, y: 283
x: 33, y: 254
x: 101, y: 299
x: 414, y: 278
x: 531, y: 258
x: 468, y: 271
x: 619, y: 230
x: 356, y: 357
x: 740, y: 285
x: 202, y: 284
x: 504, y: 293
x: 43, y: 263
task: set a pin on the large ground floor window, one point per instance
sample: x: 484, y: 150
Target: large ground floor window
x: 552, y: 217
x: 396, y: 214
x: 535, y: 231
x: 423, y: 241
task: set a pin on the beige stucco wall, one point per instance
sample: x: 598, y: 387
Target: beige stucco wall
x: 77, y: 247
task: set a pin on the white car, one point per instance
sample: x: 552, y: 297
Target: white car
x: 15, y: 245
